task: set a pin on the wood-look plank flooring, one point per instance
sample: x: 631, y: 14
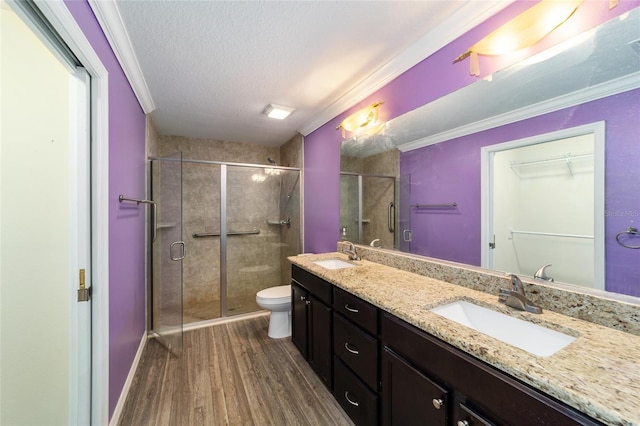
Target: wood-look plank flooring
x: 229, y: 374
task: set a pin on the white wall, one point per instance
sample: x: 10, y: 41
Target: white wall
x: 34, y: 230
x: 548, y: 198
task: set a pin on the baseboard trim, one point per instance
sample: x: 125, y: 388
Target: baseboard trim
x: 117, y: 412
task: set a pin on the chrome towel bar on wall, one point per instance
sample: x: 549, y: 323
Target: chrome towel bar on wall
x: 435, y: 206
x: 217, y: 234
x: 154, y: 212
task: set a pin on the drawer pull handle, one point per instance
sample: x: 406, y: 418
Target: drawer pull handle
x: 353, y: 351
x: 350, y: 309
x: 463, y: 423
x: 352, y: 402
x: 437, y: 403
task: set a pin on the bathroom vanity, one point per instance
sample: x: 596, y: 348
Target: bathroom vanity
x: 393, y: 361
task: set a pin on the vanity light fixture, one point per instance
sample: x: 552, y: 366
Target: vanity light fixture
x: 278, y: 112
x: 524, y: 30
x: 365, y: 120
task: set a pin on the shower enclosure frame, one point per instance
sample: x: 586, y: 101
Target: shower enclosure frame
x: 392, y: 217
x: 223, y: 219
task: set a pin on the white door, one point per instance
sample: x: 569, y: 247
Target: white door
x: 45, y: 236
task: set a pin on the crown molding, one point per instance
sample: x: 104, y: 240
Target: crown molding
x: 110, y: 20
x: 599, y: 91
x: 470, y: 15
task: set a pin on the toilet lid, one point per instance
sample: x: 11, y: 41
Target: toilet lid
x: 282, y: 291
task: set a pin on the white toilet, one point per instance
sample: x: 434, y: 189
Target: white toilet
x: 278, y: 301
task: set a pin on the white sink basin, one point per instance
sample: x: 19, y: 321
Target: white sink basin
x: 333, y: 264
x: 526, y: 335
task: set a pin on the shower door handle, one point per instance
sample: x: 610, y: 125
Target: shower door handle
x: 182, y: 250
x: 391, y: 217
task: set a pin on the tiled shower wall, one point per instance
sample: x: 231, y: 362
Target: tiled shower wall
x: 254, y: 261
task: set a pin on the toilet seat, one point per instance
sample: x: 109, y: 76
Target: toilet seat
x: 272, y: 295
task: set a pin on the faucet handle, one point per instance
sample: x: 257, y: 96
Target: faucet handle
x: 516, y: 284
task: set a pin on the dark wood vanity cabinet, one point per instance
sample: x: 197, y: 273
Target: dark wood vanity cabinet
x: 311, y: 321
x: 299, y: 319
x: 385, y: 371
x: 408, y: 395
x: 355, y: 349
x: 455, y: 388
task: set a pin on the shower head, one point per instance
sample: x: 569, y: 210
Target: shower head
x: 272, y: 161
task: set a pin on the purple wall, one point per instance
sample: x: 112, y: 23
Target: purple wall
x: 126, y: 225
x: 455, y: 234
x: 432, y: 78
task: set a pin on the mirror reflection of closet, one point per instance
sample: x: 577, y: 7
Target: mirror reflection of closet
x: 541, y: 207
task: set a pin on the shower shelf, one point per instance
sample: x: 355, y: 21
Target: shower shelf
x: 167, y: 225
x: 279, y: 222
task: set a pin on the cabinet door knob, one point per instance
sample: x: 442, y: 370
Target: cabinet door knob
x: 353, y: 351
x: 350, y: 309
x: 437, y: 403
x: 302, y: 298
x: 308, y: 302
x: 352, y: 402
x: 463, y: 423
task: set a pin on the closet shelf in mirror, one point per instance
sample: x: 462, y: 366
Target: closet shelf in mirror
x: 551, y: 234
x: 567, y: 160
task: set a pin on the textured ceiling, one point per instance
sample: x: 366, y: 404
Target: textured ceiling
x: 212, y: 66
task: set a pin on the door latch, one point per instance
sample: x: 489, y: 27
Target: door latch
x: 84, y: 293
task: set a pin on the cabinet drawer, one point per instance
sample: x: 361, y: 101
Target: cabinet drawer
x: 504, y: 398
x: 356, y: 349
x: 316, y: 285
x: 355, y: 398
x: 357, y: 310
x: 468, y: 417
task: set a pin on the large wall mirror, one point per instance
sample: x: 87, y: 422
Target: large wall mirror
x: 437, y: 155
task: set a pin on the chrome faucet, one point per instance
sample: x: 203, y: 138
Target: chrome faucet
x: 515, y: 297
x: 542, y: 274
x: 353, y: 254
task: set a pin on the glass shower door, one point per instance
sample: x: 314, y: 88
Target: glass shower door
x: 167, y: 251
x: 251, y: 247
x: 368, y: 209
x: 350, y: 208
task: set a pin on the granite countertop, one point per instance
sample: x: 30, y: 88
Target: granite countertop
x: 598, y: 374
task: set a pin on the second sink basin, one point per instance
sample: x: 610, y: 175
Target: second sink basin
x: 333, y: 264
x: 525, y: 335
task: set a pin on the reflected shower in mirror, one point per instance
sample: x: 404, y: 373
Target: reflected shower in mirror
x: 368, y: 198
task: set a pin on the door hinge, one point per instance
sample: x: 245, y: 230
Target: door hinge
x: 84, y: 293
x: 492, y: 244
